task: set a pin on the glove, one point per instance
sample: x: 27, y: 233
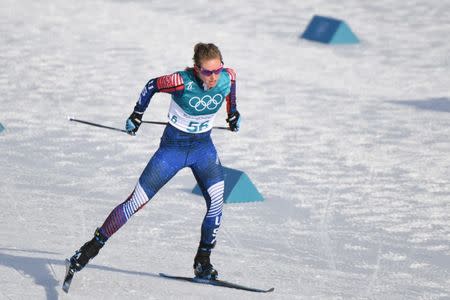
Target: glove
x: 133, y: 122
x: 234, y: 121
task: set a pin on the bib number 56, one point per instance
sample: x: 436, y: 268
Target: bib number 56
x: 197, y: 126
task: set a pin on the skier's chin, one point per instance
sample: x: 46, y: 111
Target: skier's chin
x: 212, y: 84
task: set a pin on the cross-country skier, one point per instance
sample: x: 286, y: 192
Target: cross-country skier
x: 197, y: 94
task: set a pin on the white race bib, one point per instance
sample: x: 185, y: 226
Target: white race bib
x: 188, y: 123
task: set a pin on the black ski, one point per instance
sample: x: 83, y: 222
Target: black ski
x: 217, y: 282
x: 68, y: 277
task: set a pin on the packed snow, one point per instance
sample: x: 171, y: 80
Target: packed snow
x: 349, y: 145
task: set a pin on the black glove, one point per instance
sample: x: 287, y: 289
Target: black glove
x: 234, y: 121
x: 133, y: 122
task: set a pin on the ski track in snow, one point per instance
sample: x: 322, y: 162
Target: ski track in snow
x: 349, y: 145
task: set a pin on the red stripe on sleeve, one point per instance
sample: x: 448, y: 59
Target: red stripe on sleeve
x: 228, y: 99
x: 232, y: 74
x: 170, y: 83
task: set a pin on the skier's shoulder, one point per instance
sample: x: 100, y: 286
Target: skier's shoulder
x: 188, y: 72
x: 170, y: 81
x: 231, y: 72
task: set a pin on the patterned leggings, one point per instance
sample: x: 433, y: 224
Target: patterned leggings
x: 176, y: 151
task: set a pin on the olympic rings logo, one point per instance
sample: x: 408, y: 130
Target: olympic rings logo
x: 206, y: 102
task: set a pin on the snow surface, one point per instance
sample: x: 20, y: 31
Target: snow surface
x: 349, y: 145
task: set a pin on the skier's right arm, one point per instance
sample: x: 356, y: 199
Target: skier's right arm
x: 172, y: 83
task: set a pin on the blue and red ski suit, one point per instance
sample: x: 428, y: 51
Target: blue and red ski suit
x: 186, y: 142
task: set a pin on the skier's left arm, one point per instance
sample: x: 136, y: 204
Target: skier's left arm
x: 234, y: 118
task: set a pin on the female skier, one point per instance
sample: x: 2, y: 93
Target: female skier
x: 197, y: 94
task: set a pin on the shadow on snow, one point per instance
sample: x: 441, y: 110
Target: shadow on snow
x: 41, y: 269
x: 436, y: 104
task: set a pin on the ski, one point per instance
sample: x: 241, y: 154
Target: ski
x: 217, y: 282
x: 68, y: 277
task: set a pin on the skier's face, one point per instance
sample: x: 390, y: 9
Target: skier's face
x: 209, y: 71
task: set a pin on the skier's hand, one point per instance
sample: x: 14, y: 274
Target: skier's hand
x: 133, y: 122
x: 234, y: 121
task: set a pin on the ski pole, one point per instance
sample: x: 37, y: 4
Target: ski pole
x: 97, y: 125
x: 165, y: 123
x: 124, y: 131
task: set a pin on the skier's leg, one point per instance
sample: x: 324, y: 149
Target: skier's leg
x: 209, y: 175
x: 160, y: 169
x: 164, y: 164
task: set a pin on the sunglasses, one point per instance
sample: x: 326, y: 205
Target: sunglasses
x: 208, y: 73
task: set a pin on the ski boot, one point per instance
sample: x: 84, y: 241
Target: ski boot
x: 88, y: 251
x: 203, y: 269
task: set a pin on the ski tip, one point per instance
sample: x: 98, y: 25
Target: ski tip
x: 68, y: 277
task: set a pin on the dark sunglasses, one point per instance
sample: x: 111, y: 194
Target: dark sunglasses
x: 207, y: 73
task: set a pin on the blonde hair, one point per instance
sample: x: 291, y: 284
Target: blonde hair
x: 204, y: 51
